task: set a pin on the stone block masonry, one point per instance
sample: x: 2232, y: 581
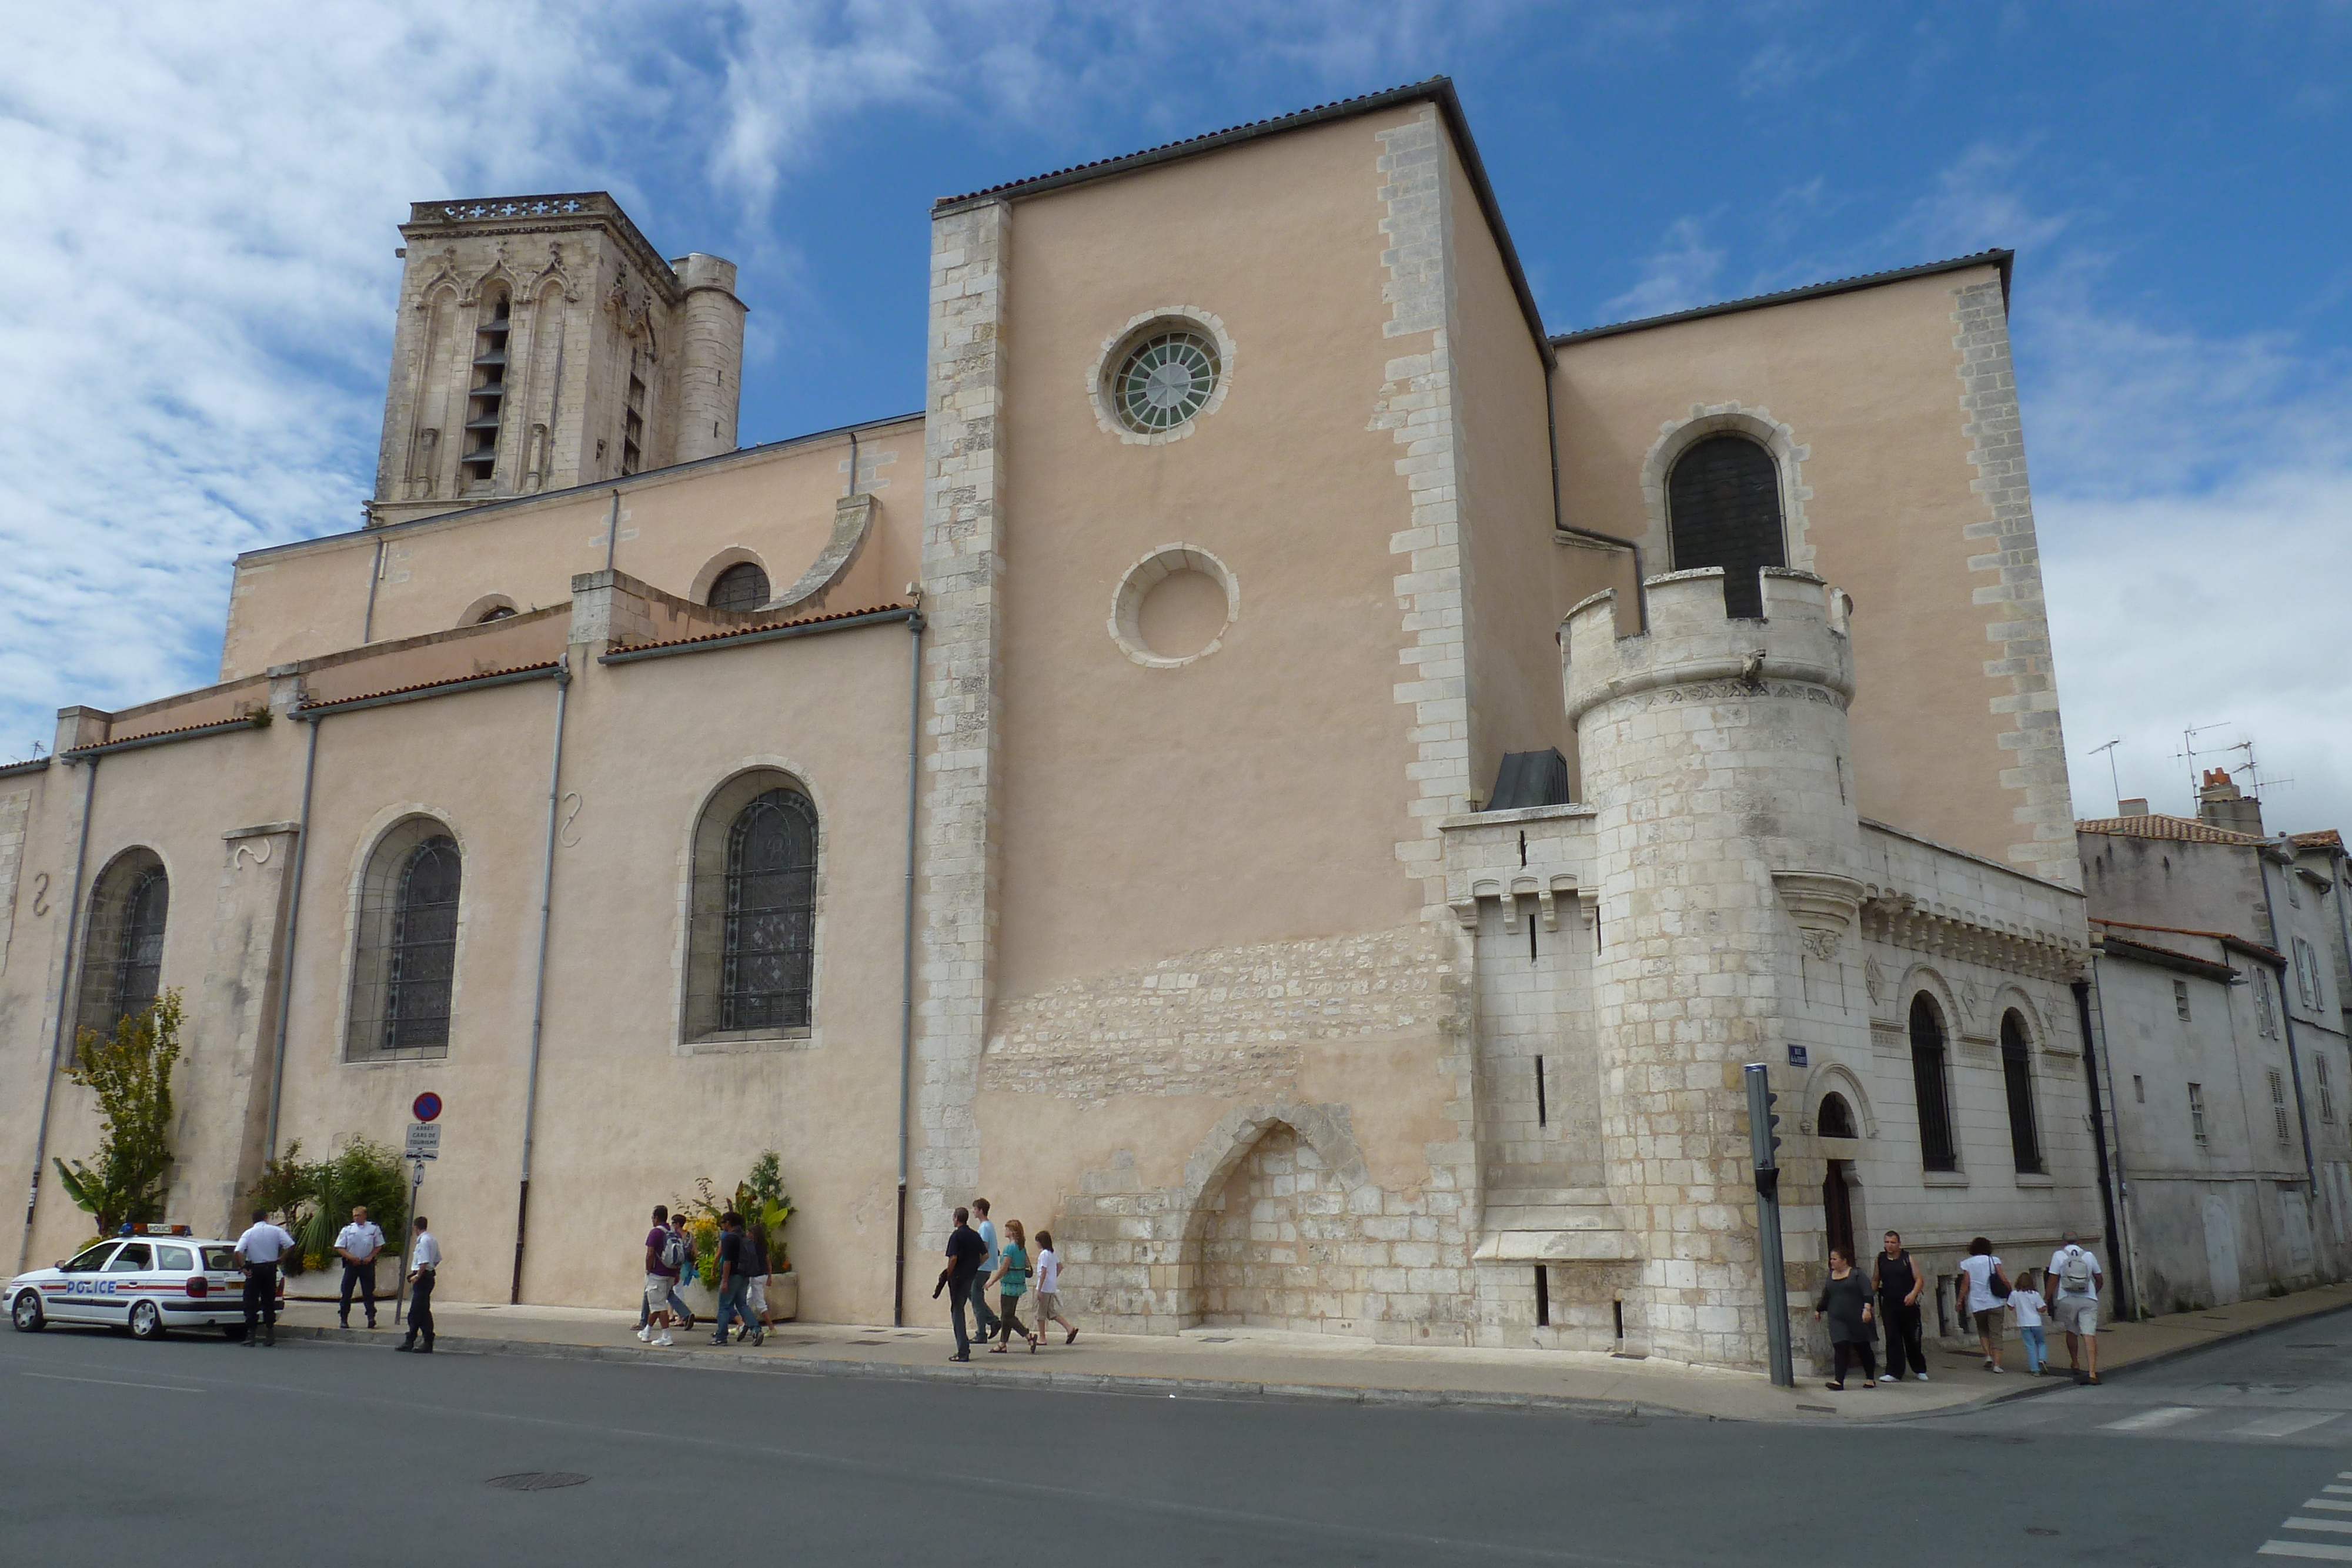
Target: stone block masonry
x: 962, y: 489
x: 16, y: 805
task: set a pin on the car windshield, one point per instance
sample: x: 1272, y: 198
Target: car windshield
x: 220, y: 1260
x: 90, y: 1262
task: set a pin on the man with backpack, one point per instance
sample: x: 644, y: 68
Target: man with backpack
x: 2074, y: 1276
x: 664, y: 1251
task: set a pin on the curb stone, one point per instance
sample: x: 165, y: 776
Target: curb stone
x: 1034, y: 1378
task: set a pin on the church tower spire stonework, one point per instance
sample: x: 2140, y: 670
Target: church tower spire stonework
x: 542, y: 343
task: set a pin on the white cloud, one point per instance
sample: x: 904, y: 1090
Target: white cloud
x: 1682, y: 273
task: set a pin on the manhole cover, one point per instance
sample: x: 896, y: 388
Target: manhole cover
x: 537, y: 1480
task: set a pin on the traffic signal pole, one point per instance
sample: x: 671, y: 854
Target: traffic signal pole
x: 1764, y: 1149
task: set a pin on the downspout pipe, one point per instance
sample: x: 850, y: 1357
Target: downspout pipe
x: 1641, y: 572
x: 612, y: 528
x: 907, y: 951
x: 2081, y: 989
x: 293, y: 925
x: 2263, y: 858
x: 538, y: 977
x: 66, y: 991
x: 375, y: 575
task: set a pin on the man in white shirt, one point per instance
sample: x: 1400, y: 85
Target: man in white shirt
x: 357, y: 1244
x: 2073, y: 1290
x: 424, y: 1261
x: 260, y: 1248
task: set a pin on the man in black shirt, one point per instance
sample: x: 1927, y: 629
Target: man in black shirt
x: 1898, y: 1281
x: 965, y: 1252
x: 735, y: 1280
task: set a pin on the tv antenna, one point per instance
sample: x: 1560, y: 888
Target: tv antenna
x: 2110, y: 750
x: 2188, y: 754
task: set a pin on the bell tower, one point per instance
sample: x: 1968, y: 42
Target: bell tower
x: 542, y: 343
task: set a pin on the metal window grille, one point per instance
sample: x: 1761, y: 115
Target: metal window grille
x: 1165, y: 379
x: 2278, y: 1105
x: 1723, y: 508
x: 742, y: 586
x: 2196, y: 1113
x: 122, y: 956
x: 2017, y: 1075
x: 403, y: 971
x: 769, y: 944
x: 1936, y: 1150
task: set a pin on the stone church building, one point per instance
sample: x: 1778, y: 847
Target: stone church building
x: 1285, y: 770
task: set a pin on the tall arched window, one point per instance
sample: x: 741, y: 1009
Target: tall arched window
x: 122, y: 956
x: 1723, y: 508
x: 403, y: 975
x: 752, y: 944
x: 2017, y: 1074
x: 742, y: 586
x: 1936, y: 1150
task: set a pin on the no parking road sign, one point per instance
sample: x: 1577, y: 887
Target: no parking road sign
x: 427, y: 1107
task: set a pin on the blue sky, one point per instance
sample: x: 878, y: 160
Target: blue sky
x: 198, y: 213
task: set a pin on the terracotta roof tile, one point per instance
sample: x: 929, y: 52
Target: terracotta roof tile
x: 763, y: 626
x: 2156, y: 825
x: 255, y: 720
x: 427, y: 686
x: 2228, y: 938
x: 2326, y: 839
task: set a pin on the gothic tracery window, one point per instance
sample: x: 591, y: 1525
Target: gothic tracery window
x: 1723, y: 508
x: 752, y: 947
x: 122, y: 956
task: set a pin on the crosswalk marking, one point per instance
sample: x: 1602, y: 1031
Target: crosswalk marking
x: 2336, y: 1492
x: 2325, y: 1551
x: 2334, y: 1503
x: 2341, y: 1527
x: 2163, y: 1416
x: 2285, y: 1423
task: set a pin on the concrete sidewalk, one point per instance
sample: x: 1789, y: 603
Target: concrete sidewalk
x: 1261, y: 1364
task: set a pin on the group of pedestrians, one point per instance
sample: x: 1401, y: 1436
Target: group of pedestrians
x: 264, y: 1245
x: 1858, y: 1308
x: 980, y: 1261
x: 744, y: 1267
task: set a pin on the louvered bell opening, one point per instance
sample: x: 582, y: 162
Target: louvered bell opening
x: 488, y: 422
x: 496, y: 358
x: 490, y: 389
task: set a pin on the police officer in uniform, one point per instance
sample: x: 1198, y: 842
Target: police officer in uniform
x: 261, y: 1245
x: 423, y: 1259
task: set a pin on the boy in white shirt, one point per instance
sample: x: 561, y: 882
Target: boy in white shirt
x: 2027, y: 1304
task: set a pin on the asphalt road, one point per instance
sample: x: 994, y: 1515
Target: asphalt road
x: 195, y: 1451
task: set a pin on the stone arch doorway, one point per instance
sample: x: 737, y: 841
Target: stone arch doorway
x: 1271, y: 1215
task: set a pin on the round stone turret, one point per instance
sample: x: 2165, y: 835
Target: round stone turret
x: 1715, y: 752
x: 710, y: 362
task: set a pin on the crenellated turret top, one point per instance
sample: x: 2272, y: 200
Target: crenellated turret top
x: 1801, y: 637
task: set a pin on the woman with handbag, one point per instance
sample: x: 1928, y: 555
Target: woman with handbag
x: 1011, y: 1278
x: 1845, y: 1301
x: 1988, y: 1288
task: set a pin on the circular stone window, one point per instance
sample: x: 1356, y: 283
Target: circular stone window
x: 1174, y: 606
x: 1164, y: 381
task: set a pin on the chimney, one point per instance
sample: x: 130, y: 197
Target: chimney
x: 2138, y: 808
x: 2220, y: 805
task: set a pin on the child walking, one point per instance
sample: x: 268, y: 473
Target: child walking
x: 1049, y: 1289
x: 2026, y: 1301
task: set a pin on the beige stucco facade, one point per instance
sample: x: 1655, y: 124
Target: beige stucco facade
x: 1218, y: 968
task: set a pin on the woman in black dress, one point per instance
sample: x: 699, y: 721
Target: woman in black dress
x: 1845, y: 1301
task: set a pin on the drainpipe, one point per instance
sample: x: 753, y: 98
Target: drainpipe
x: 1641, y: 573
x: 293, y: 923
x: 66, y: 990
x: 2286, y: 1012
x: 2108, y: 1208
x: 907, y: 944
x: 539, y: 974
x: 612, y: 527
x: 375, y: 575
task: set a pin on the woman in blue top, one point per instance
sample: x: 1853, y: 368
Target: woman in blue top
x: 1011, y: 1278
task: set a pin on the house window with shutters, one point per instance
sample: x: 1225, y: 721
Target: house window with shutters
x: 1723, y: 508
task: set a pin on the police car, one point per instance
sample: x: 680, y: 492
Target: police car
x: 160, y: 1277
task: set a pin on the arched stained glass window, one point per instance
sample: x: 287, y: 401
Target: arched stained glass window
x: 2017, y: 1074
x: 1723, y: 508
x: 424, y: 948
x: 122, y: 956
x: 1927, y: 1077
x: 770, y: 909
x: 742, y: 586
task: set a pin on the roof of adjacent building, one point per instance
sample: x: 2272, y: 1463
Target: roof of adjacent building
x: 2000, y: 258
x: 2191, y: 829
x: 2229, y: 939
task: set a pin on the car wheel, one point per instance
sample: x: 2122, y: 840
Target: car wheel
x: 146, y: 1320
x: 26, y: 1313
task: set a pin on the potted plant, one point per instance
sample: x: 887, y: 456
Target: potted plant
x: 760, y: 1198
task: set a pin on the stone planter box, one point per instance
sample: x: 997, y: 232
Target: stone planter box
x: 783, y: 1298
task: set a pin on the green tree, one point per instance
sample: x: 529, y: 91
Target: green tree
x: 131, y: 1076
x: 313, y: 1198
